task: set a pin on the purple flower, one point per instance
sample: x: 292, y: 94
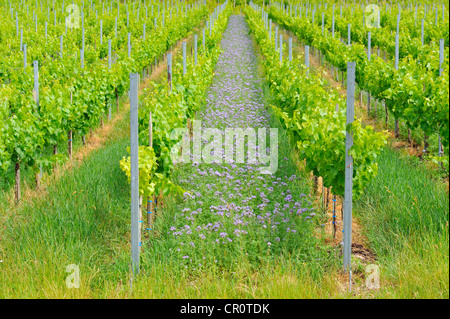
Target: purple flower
x: 186, y: 194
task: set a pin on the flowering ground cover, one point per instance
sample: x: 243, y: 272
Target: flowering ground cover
x: 230, y: 213
x: 233, y: 231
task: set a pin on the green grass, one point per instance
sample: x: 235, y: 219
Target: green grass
x: 402, y: 201
x: 81, y: 220
x: 404, y: 213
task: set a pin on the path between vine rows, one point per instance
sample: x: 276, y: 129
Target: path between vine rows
x: 231, y: 205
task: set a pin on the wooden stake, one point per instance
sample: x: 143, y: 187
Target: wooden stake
x: 397, y: 129
x: 70, y: 144
x: 334, y: 216
x: 327, y: 199
x: 387, y: 114
x: 17, y: 186
x: 117, y: 99
x: 37, y: 179
x: 425, y: 143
